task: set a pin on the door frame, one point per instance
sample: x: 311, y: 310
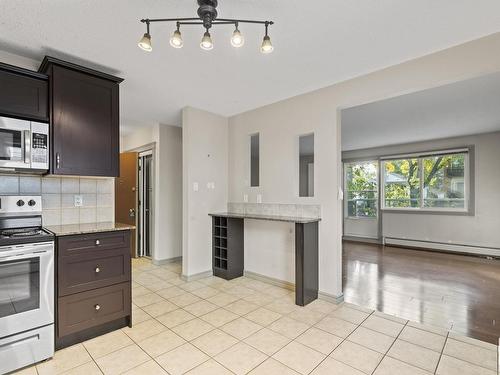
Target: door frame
x: 152, y: 203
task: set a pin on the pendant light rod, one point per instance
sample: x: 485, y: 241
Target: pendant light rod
x: 218, y: 21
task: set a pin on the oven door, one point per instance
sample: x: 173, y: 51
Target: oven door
x: 26, y: 287
x: 15, y: 140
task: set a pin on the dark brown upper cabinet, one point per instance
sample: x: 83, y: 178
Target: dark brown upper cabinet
x: 84, y: 118
x: 23, y: 93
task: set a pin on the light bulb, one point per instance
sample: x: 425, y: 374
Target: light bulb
x: 237, y: 39
x: 176, y: 39
x: 206, y: 42
x: 267, y: 46
x: 145, y: 43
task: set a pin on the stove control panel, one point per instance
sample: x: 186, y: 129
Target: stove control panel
x: 12, y: 204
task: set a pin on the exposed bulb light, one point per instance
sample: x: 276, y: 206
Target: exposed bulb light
x: 267, y: 46
x: 237, y: 40
x: 176, y: 39
x: 206, y: 42
x: 145, y: 43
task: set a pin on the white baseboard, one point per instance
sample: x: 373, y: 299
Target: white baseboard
x: 197, y: 276
x: 362, y: 239
x: 455, y: 248
x: 161, y: 262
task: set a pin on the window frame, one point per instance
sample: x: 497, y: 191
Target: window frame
x: 468, y: 176
x: 346, y: 189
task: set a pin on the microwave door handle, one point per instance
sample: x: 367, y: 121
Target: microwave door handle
x: 27, y: 146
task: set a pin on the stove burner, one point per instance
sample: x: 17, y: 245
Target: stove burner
x: 22, y: 232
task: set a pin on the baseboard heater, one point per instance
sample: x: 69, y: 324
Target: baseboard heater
x: 441, y: 246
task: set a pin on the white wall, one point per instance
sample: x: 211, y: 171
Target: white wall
x: 167, y: 209
x: 481, y: 229
x: 280, y: 124
x: 205, y: 144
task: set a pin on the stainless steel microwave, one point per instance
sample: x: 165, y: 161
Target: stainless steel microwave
x: 24, y: 146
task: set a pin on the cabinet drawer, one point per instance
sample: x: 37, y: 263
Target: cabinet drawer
x: 82, y: 272
x: 95, y: 242
x: 85, y: 310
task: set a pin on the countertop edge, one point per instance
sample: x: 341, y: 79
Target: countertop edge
x: 77, y: 229
x: 288, y: 219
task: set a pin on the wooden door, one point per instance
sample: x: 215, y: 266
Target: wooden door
x: 85, y: 124
x: 126, y: 195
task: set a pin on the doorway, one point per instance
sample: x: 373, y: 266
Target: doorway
x: 145, y: 206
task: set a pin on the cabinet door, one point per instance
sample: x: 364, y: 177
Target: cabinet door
x: 24, y: 97
x: 85, y: 122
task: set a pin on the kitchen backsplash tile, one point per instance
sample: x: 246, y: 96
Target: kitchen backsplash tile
x: 295, y: 210
x: 58, y: 197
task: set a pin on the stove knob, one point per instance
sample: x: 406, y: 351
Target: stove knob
x: 20, y: 203
x: 31, y: 202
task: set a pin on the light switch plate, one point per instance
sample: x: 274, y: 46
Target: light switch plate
x: 245, y: 198
x: 196, y: 186
x: 78, y: 201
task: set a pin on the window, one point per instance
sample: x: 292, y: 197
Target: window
x: 254, y: 160
x: 361, y: 181
x: 306, y: 165
x: 435, y: 182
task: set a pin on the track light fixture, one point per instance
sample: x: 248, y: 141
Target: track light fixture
x: 207, y: 17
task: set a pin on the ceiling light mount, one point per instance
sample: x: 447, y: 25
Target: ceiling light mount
x: 207, y: 18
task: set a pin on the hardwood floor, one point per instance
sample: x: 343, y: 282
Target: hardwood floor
x: 456, y: 292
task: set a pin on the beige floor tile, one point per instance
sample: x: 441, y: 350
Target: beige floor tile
x: 161, y: 343
x: 140, y: 291
x: 390, y: 317
x: 241, y: 328
x: 387, y: 327
x: 282, y: 306
x: 210, y: 367
x: 277, y: 292
x: 372, y: 340
x: 102, y: 345
x: 357, y: 307
x: 267, y: 341
x: 168, y: 293
x: 288, y: 327
x: 241, y: 358
x: 426, y: 339
x: 174, y: 318
x: 223, y: 299
x: 139, y: 316
x: 357, y: 356
x: 241, y: 307
x: 307, y: 316
x: 351, y: 315
x: 182, y: 359
x: 212, y: 281
x: 158, y: 285
x: 27, y: 371
x: 201, y: 308
x: 219, y: 317
x: 192, y: 329
x: 391, y: 366
x: 415, y: 355
x: 147, y: 368
x: 64, y: 360
x: 260, y: 299
x: 192, y: 285
x: 453, y: 366
x: 147, y: 299
x: 89, y: 368
x: 476, y: 355
x: 176, y: 281
x: 322, y: 306
x: 240, y: 291
x: 164, y: 274
x: 299, y: 357
x: 429, y: 328
x: 159, y: 308
x: 144, y: 330
x: 263, y: 316
x: 122, y: 360
x: 319, y: 340
x: 336, y: 326
x: 214, y: 342
x: 471, y: 341
x: 205, y: 292
x: 185, y: 299
x: 272, y: 366
x: 332, y: 367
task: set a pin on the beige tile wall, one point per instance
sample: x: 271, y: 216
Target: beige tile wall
x: 58, y: 197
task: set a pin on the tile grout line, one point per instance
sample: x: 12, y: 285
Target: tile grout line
x: 442, y: 351
x: 385, y: 355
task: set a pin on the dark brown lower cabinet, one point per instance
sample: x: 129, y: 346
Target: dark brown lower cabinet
x: 93, y: 285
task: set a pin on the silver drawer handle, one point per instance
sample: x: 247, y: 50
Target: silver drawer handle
x: 97, y: 307
x: 97, y: 269
x: 97, y: 242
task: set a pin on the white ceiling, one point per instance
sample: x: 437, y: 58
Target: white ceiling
x: 463, y: 108
x: 317, y: 43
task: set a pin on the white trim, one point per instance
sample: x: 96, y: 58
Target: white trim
x: 456, y: 248
x: 197, y: 276
x: 160, y: 262
x: 423, y: 154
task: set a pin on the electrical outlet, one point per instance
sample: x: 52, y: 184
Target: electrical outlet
x: 259, y: 198
x: 78, y: 201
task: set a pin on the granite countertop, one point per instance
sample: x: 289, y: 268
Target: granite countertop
x: 71, y: 229
x: 290, y: 219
